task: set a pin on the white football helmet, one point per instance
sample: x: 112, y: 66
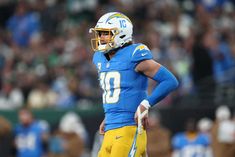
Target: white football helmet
x: 119, y: 28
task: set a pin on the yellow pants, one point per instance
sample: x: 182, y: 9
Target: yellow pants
x: 124, y: 142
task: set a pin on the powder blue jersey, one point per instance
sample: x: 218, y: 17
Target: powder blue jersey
x: 123, y: 87
x: 198, y: 147
x: 28, y: 140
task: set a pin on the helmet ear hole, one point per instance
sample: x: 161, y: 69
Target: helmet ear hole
x: 123, y: 36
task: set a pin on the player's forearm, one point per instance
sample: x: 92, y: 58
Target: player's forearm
x: 167, y: 83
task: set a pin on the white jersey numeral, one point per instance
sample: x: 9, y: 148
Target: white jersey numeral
x: 111, y: 91
x: 26, y: 141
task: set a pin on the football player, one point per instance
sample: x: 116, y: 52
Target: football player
x: 191, y: 143
x: 124, y: 68
x: 31, y: 135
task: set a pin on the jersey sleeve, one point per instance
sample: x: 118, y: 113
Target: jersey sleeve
x: 140, y: 53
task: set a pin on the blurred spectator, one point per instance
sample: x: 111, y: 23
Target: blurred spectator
x: 23, y: 25
x: 66, y: 98
x: 50, y: 16
x: 204, y: 125
x: 66, y: 143
x: 223, y: 65
x: 202, y: 68
x: 221, y: 55
x: 72, y: 121
x: 73, y: 144
x: 159, y: 137
x: 5, y: 137
x: 42, y: 96
x: 223, y: 131
x: 31, y: 135
x: 179, y: 60
x: 73, y: 134
x: 222, y: 113
x: 191, y: 143
x: 11, y: 97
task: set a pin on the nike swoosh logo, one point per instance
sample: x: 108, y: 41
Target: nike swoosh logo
x: 143, y: 54
x: 117, y: 137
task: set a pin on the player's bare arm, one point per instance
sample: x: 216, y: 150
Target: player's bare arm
x: 148, y: 67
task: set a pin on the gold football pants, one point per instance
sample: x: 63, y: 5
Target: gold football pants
x: 124, y: 142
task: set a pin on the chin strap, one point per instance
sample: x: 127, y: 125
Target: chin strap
x: 140, y: 115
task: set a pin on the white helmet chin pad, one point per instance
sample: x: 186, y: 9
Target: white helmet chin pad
x: 120, y: 28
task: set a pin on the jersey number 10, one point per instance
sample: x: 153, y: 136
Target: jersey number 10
x: 110, y: 83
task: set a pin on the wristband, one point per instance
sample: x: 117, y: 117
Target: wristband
x: 145, y: 103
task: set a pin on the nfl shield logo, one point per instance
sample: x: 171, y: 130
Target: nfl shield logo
x: 107, y: 65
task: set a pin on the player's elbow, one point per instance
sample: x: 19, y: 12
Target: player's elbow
x: 174, y: 83
x: 171, y: 83
x: 167, y: 78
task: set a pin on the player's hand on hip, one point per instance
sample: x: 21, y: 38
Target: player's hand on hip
x: 141, y: 116
x: 101, y: 129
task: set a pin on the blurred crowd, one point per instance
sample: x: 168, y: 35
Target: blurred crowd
x: 46, y: 59
x: 32, y: 137
x: 203, y: 137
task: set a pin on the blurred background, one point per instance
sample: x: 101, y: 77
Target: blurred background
x: 48, y: 82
